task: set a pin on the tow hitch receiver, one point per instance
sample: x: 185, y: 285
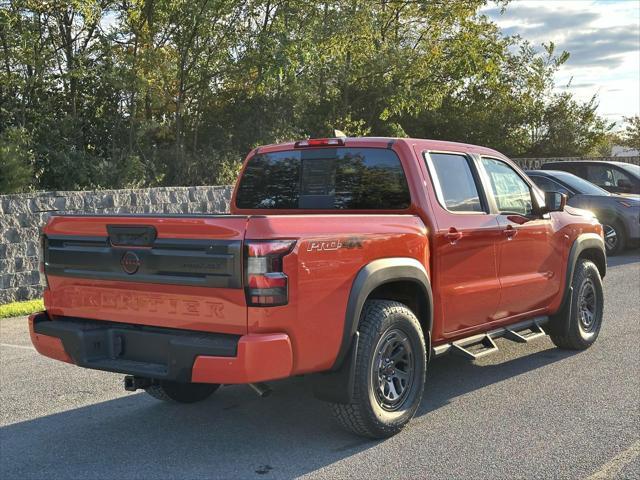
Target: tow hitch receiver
x: 131, y: 383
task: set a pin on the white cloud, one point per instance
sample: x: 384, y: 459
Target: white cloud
x: 602, y: 37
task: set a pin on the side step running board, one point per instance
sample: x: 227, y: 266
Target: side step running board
x: 477, y: 346
x: 474, y: 347
x: 524, y: 335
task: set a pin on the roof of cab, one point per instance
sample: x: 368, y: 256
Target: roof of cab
x: 387, y: 142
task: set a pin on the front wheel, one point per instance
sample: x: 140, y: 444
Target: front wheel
x: 177, y: 392
x: 614, y: 239
x: 578, y: 328
x: 389, y: 373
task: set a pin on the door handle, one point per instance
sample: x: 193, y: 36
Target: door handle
x: 453, y: 235
x: 510, y: 232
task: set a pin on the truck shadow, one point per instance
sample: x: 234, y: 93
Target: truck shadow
x: 235, y: 434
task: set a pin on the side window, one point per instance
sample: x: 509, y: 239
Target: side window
x: 620, y: 178
x: 547, y: 185
x: 511, y: 192
x: 454, y: 182
x: 601, y: 175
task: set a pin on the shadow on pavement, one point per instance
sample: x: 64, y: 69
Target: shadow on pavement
x: 630, y: 256
x: 234, y: 434
x: 453, y: 376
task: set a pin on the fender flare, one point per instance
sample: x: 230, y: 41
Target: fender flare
x: 336, y: 385
x: 370, y: 277
x: 585, y: 241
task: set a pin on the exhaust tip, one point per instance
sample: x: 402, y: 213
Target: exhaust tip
x: 262, y: 389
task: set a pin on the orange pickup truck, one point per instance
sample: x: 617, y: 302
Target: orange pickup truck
x: 353, y: 261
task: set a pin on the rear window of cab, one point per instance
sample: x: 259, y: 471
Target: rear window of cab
x: 324, y: 179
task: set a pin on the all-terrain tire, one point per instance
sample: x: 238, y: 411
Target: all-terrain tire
x: 371, y: 413
x: 577, y: 328
x: 176, y: 392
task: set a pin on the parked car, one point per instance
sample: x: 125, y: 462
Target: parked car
x: 353, y: 261
x: 619, y: 215
x: 614, y: 177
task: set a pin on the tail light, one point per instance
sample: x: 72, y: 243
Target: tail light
x: 266, y: 285
x: 42, y: 251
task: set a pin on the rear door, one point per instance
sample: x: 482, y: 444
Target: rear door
x: 530, y: 248
x: 466, y: 284
x: 168, y: 271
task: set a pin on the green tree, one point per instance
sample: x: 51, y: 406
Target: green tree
x: 605, y: 146
x: 569, y: 128
x: 16, y: 161
x: 164, y: 92
x: 631, y: 133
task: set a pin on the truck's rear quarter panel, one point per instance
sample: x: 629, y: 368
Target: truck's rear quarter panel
x: 321, y: 270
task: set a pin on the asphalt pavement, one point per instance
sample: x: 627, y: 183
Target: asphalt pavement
x: 528, y: 411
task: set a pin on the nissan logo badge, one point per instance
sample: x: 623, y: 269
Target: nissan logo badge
x: 130, y: 263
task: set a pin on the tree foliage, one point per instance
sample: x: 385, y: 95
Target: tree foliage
x: 631, y: 133
x: 16, y: 160
x: 165, y: 92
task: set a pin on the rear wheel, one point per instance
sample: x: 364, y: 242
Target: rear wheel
x: 390, y: 371
x: 177, y: 392
x: 579, y: 328
x: 614, y: 239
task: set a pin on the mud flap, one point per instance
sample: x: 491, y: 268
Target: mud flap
x: 337, y: 386
x: 558, y: 323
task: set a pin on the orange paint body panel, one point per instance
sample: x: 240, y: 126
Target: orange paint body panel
x: 323, y: 273
x: 169, y: 306
x: 259, y: 358
x: 162, y: 305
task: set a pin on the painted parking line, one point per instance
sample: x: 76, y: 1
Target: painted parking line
x: 24, y: 347
x: 613, y: 467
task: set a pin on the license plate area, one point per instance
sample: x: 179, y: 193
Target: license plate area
x: 132, y: 235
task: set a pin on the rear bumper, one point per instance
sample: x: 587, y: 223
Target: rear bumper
x: 162, y: 353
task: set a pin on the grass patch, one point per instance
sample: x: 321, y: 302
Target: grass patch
x: 18, y: 309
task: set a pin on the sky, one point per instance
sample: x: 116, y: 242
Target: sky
x: 603, y: 38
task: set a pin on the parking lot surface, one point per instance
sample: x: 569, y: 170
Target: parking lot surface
x: 529, y: 411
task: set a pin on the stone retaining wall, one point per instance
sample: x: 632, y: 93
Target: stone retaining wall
x: 22, y: 216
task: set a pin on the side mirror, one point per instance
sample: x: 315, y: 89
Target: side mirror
x: 554, y: 202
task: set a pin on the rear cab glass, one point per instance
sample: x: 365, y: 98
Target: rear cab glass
x: 343, y: 178
x: 454, y: 182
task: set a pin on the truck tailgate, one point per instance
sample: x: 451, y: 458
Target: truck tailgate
x: 180, y: 272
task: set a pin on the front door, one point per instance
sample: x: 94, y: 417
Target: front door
x: 466, y: 288
x: 529, y: 256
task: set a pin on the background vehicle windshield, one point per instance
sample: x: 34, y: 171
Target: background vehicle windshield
x: 578, y: 184
x: 631, y: 168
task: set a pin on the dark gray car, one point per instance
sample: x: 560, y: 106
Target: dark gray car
x: 615, y: 177
x: 619, y: 215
